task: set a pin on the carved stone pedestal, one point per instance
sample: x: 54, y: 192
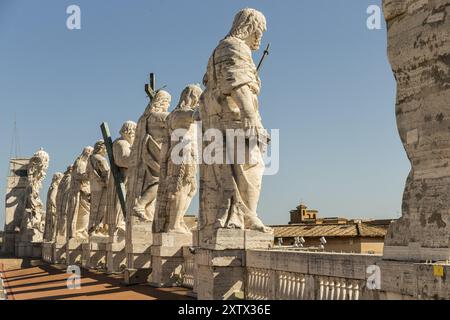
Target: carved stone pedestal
x: 116, y: 257
x: 60, y: 254
x: 138, y: 244
x: 94, y: 253
x: 48, y: 249
x: 220, y: 262
x: 167, y: 258
x: 75, y: 251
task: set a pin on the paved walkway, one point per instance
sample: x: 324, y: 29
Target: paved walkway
x: 48, y: 282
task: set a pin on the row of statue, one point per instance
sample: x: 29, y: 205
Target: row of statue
x: 83, y: 201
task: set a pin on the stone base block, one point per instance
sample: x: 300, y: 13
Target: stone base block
x: 223, y: 239
x: 116, y: 258
x: 167, y: 258
x: 138, y: 256
x: 48, y: 249
x: 415, y: 253
x: 406, y: 280
x: 220, y: 274
x: 60, y: 254
x: 136, y: 276
x: 94, y: 255
x: 75, y: 251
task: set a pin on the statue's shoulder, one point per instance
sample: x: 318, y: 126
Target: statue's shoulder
x: 159, y: 116
x: 121, y: 143
x: 232, y: 45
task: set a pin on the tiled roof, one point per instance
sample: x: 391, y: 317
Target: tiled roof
x: 329, y: 230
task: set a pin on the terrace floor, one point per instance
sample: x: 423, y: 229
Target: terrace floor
x: 49, y: 282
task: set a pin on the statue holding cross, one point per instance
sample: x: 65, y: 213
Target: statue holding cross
x: 145, y: 154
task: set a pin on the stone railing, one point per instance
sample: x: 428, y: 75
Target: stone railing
x: 187, y: 274
x: 297, y: 275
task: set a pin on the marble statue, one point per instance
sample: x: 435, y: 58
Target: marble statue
x: 229, y: 193
x: 50, y: 216
x: 62, y: 201
x: 145, y: 157
x: 178, y: 183
x: 79, y: 201
x: 121, y: 152
x: 34, y: 218
x: 98, y: 172
x: 419, y: 53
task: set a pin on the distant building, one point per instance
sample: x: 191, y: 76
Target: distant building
x: 340, y: 234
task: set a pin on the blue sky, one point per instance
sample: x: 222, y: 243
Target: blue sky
x: 327, y: 86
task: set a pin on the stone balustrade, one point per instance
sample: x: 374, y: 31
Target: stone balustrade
x: 299, y: 275
x: 188, y: 271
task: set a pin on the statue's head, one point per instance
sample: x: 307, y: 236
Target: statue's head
x: 100, y: 148
x: 128, y: 131
x: 69, y: 170
x: 249, y: 25
x: 161, y: 102
x: 57, y: 178
x: 87, y: 151
x: 38, y: 166
x: 190, y: 96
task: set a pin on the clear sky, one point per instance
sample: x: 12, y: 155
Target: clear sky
x: 327, y: 86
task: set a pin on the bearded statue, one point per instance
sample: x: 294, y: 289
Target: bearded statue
x: 229, y: 193
x: 145, y: 157
x: 178, y: 176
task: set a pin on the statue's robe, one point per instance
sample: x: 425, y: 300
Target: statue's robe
x: 79, y: 207
x: 62, y: 198
x: 229, y: 193
x: 179, y: 185
x: 50, y: 216
x: 98, y: 172
x: 145, y: 158
x: 121, y: 152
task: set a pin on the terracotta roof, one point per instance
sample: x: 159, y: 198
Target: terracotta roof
x: 329, y: 230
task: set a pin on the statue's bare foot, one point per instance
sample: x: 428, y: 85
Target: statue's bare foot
x: 140, y: 213
x: 257, y: 225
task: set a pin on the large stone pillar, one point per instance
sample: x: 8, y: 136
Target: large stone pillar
x: 14, y: 202
x: 220, y: 264
x: 167, y: 258
x: 138, y: 250
x: 419, y: 53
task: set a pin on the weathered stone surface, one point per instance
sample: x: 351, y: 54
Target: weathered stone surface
x: 419, y: 53
x: 116, y: 255
x: 98, y: 172
x: 178, y: 174
x: 223, y: 239
x: 143, y: 181
x: 50, y: 216
x: 14, y: 202
x: 229, y: 193
x: 62, y: 208
x: 219, y: 274
x: 33, y: 220
x: 74, y: 251
x: 79, y: 200
x: 167, y: 258
x: 352, y: 266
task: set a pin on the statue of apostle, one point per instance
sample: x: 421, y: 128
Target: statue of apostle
x: 229, y: 193
x: 145, y: 157
x: 98, y: 173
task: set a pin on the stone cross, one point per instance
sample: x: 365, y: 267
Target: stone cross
x: 150, y: 87
x: 117, y: 174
